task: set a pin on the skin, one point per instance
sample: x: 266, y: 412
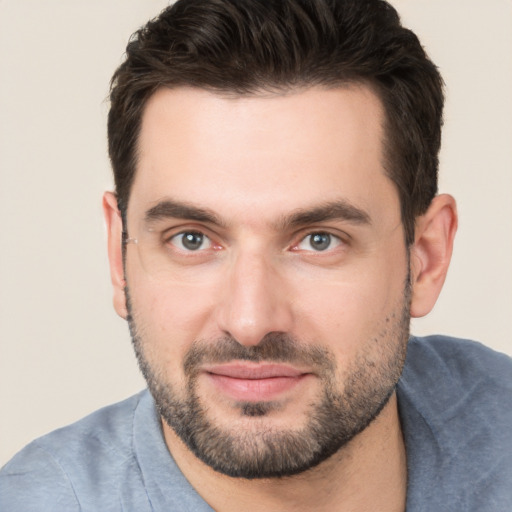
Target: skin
x: 253, y: 163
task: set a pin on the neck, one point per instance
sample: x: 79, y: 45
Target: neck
x: 369, y: 473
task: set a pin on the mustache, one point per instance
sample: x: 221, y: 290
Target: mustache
x: 274, y: 347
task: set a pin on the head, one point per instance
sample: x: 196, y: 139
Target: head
x: 275, y: 222
x: 247, y: 47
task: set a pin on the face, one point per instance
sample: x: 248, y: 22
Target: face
x: 267, y: 273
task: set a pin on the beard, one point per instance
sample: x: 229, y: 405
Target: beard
x: 339, y: 412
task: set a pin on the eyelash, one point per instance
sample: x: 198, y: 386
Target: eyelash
x: 295, y: 247
x: 332, y: 239
x: 190, y: 234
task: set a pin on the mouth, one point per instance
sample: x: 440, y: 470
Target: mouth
x: 254, y: 382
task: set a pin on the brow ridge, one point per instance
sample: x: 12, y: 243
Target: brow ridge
x: 181, y: 210
x: 332, y: 210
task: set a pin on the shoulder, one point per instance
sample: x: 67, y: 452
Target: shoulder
x: 463, y: 359
x: 53, y: 470
x: 446, y: 376
x: 455, y: 403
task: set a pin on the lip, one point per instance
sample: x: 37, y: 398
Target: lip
x: 254, y: 381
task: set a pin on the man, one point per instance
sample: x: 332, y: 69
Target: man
x: 275, y: 225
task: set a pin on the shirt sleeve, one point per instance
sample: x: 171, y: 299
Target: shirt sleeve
x: 33, y: 481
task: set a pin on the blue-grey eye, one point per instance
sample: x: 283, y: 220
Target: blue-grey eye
x: 191, y: 241
x: 318, y: 242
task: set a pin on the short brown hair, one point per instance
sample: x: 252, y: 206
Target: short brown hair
x: 249, y: 46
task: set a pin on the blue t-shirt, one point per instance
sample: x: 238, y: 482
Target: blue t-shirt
x: 455, y: 405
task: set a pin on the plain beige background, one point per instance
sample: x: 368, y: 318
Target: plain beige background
x: 63, y: 352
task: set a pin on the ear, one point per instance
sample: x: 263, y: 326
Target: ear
x: 431, y: 253
x: 114, y: 225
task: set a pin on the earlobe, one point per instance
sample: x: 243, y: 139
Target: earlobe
x: 114, y: 226
x: 431, y: 253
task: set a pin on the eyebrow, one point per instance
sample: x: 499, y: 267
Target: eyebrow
x: 334, y: 210
x: 180, y: 210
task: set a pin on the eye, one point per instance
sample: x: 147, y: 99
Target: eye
x: 191, y: 241
x: 319, y: 241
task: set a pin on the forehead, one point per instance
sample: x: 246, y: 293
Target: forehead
x: 267, y: 152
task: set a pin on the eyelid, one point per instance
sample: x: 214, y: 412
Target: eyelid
x: 185, y: 227
x: 343, y: 237
x: 217, y: 241
x: 205, y: 240
x: 334, y: 242
x: 169, y: 234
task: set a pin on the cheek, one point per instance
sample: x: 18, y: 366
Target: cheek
x: 173, y: 315
x: 339, y: 315
x: 349, y: 309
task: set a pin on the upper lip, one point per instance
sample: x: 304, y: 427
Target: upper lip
x: 247, y: 370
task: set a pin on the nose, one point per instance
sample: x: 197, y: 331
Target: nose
x: 255, y: 300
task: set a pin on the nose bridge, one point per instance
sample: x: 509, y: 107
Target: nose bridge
x: 255, y: 301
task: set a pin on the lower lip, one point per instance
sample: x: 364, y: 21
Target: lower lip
x: 255, y: 390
